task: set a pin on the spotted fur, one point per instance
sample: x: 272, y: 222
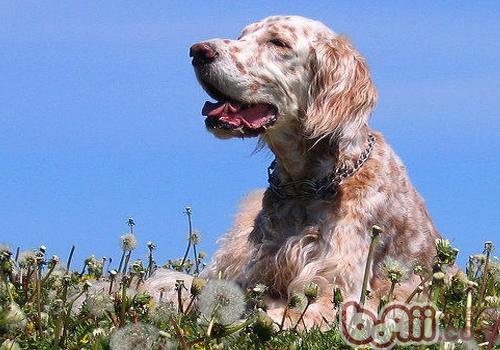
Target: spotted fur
x: 324, y: 95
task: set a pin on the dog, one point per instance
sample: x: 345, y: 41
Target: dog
x: 307, y: 94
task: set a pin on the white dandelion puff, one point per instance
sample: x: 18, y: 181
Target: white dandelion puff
x: 134, y: 336
x: 128, y: 241
x: 99, y: 304
x: 27, y: 258
x: 9, y: 344
x: 394, y: 270
x: 13, y: 317
x: 222, y: 300
x: 161, y: 312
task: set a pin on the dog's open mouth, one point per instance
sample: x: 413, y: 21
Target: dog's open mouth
x: 230, y: 115
x: 249, y: 119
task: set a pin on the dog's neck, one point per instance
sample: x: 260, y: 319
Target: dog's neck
x: 299, y: 158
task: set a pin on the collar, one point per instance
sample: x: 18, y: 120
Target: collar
x: 322, y: 188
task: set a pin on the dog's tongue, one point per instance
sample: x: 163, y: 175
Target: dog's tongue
x: 231, y: 113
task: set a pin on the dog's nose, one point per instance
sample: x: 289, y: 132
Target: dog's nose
x: 202, y: 53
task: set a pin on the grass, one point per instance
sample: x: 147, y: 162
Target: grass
x: 47, y: 304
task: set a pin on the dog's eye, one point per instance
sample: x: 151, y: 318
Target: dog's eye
x: 279, y: 43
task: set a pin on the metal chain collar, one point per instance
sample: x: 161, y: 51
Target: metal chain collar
x: 322, y: 188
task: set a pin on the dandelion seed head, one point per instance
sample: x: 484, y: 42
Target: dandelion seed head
x: 27, y: 258
x: 5, y: 250
x: 99, y: 304
x: 223, y: 300
x: 394, y: 270
x: 492, y: 301
x: 311, y: 291
x: 9, y: 344
x: 297, y: 301
x: 134, y: 336
x: 98, y: 332
x: 161, y: 312
x: 14, y: 317
x: 494, y: 270
x: 195, y: 237
x: 197, y: 286
x: 128, y: 241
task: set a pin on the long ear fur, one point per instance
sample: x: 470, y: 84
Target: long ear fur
x: 342, y: 94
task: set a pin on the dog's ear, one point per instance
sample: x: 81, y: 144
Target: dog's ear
x: 342, y: 94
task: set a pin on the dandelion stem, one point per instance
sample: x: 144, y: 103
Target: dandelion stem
x: 376, y: 231
x: 17, y: 254
x: 191, y: 302
x: 391, y: 291
x: 210, y: 326
x: 70, y: 257
x: 283, y: 317
x: 7, y: 287
x: 468, y: 313
x: 196, y: 262
x: 127, y: 259
x: 494, y: 334
x: 180, y: 337
x: 121, y: 260
x: 488, y: 248
x: 417, y: 289
x: 302, y: 315
x: 190, y: 229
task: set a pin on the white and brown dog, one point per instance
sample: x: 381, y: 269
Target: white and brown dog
x: 307, y: 93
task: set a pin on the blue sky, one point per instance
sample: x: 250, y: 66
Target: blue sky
x: 100, y: 117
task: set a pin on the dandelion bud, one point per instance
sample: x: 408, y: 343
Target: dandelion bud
x: 151, y: 245
x: 5, y: 252
x: 472, y: 285
x: 197, y: 285
x: 377, y: 230
x: 130, y: 221
x: 418, y: 269
x: 295, y: 301
x: 202, y: 255
x: 87, y: 285
x: 66, y: 279
x: 43, y: 249
x: 263, y: 326
x: 260, y: 288
x: 488, y: 246
x: 188, y: 210
x: 461, y: 278
x: 311, y: 292
x: 438, y: 276
x: 446, y: 254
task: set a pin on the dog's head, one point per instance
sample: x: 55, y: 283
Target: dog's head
x: 283, y: 71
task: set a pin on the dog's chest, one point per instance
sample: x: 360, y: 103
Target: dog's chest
x: 290, y: 218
